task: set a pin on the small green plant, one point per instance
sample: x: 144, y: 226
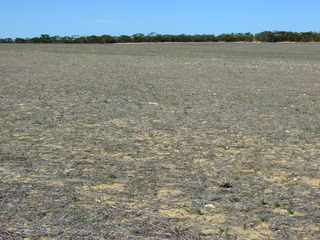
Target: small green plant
x: 276, y: 204
x: 186, y: 108
x: 198, y: 211
x: 140, y: 105
x: 248, y: 195
x: 111, y: 175
x: 105, y: 101
x: 44, y: 187
x: 233, y: 199
x: 175, y: 104
x: 74, y: 197
x: 262, y: 218
x: 290, y: 211
x: 18, y: 183
x: 151, y: 135
x: 98, y: 213
x: 263, y: 201
x: 83, y: 219
x: 28, y: 219
x: 134, y: 230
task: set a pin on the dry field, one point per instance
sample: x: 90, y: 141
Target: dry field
x: 160, y: 141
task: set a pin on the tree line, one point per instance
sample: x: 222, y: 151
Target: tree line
x: 266, y: 36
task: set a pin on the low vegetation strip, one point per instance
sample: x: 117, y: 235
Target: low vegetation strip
x: 266, y: 36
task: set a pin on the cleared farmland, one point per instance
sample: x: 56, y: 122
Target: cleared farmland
x: 160, y: 141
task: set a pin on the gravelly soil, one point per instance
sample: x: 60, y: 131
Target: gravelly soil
x: 160, y: 141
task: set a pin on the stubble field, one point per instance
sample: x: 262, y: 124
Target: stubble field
x: 160, y: 141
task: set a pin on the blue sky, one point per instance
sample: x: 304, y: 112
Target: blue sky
x: 31, y: 18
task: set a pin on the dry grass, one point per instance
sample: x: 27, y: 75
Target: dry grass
x: 159, y: 141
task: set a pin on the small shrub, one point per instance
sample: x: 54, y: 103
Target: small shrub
x: 290, y: 211
x: 74, y: 197
x: 134, y: 231
x: 234, y: 199
x: 198, y: 211
x: 263, y: 202
x: 83, y: 220
x: 262, y: 218
x: 111, y: 175
x: 276, y: 204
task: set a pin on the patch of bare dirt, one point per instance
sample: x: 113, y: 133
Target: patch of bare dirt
x: 159, y: 141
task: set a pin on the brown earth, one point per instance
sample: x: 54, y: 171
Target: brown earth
x: 160, y: 141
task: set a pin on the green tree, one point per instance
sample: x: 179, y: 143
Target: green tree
x: 124, y: 39
x: 45, y: 38
x: 107, y: 39
x: 138, y: 37
x: 20, y: 40
x: 93, y: 39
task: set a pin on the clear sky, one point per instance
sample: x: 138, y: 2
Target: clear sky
x: 31, y: 18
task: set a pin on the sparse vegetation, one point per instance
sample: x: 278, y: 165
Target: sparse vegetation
x: 276, y: 204
x: 290, y: 211
x: 198, y: 211
x: 74, y: 197
x: 86, y: 152
x: 263, y: 218
x: 263, y: 201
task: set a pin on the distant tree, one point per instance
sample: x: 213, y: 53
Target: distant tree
x: 243, y: 37
x: 310, y: 37
x: 35, y: 40
x: 55, y: 39
x: 80, y: 40
x: 266, y: 36
x: 138, y: 37
x: 124, y: 39
x: 66, y: 39
x: 6, y: 40
x: 93, y: 39
x: 166, y: 38
x: 20, y: 40
x: 45, y: 38
x: 280, y: 36
x: 183, y: 38
x: 227, y: 37
x: 152, y: 37
x: 107, y: 39
x: 197, y: 38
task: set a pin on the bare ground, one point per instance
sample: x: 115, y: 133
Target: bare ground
x: 160, y: 141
